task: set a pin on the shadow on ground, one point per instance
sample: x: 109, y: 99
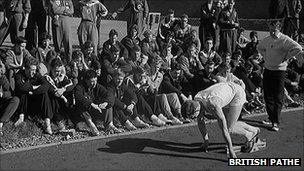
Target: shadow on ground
x: 138, y: 145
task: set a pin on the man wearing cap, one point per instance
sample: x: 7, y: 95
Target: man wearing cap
x: 276, y: 50
x: 87, y: 30
x: 228, y: 22
x: 61, y: 11
x: 16, y: 17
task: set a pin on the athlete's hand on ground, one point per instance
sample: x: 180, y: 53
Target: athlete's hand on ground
x: 232, y: 154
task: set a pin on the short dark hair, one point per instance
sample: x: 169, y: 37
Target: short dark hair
x: 95, y: 65
x: 209, y: 38
x: 113, y: 32
x: 138, y: 70
x: 89, y: 74
x: 184, y: 16
x: 87, y: 44
x: 77, y: 54
x: 56, y: 62
x: 29, y: 62
x: 176, y: 66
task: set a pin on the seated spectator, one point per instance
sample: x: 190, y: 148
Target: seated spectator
x: 32, y: 89
x: 124, y: 108
x: 190, y: 62
x: 208, y: 54
x: 8, y: 102
x: 137, y: 82
x: 236, y: 60
x: 224, y: 75
x: 163, y: 103
x: 192, y: 39
x: 182, y: 30
x: 149, y: 47
x: 251, y: 47
x: 94, y: 102
x: 87, y: 50
x: 110, y: 63
x: 141, y: 60
x: 169, y: 41
x: 95, y: 65
x: 45, y: 47
x: 15, y: 59
x: 60, y: 92
x: 77, y: 67
x: 131, y: 41
x: 166, y: 25
x: 241, y: 39
x: 175, y: 82
x: 292, y: 80
x: 113, y: 42
x: 205, y: 78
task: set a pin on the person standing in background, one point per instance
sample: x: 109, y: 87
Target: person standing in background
x: 16, y: 17
x: 208, y: 21
x: 228, y: 22
x: 37, y: 18
x: 291, y: 21
x: 61, y: 11
x: 276, y: 50
x: 139, y: 14
x: 87, y: 30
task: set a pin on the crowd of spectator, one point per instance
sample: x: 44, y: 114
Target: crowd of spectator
x: 133, y: 83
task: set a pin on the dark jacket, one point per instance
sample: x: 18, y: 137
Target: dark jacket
x: 179, y: 86
x: 24, y: 83
x: 107, y: 46
x: 123, y: 95
x: 85, y: 97
x: 5, y: 88
x: 17, y: 6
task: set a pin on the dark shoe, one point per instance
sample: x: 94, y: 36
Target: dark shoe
x: 204, y: 146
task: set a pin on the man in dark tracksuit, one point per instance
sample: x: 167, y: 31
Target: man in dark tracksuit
x: 228, y: 22
x: 292, y: 22
x: 17, y: 14
x: 37, y: 18
x: 93, y: 101
x: 32, y: 89
x: 61, y: 11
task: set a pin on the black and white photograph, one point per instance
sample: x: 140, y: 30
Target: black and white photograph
x: 152, y: 85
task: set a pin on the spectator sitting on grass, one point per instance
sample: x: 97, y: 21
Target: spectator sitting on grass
x: 94, y: 102
x: 8, y: 102
x: 32, y: 89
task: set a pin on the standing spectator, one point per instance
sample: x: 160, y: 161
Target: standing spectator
x: 139, y: 14
x: 16, y: 16
x: 15, y: 59
x: 94, y: 102
x: 61, y: 11
x: 166, y: 25
x: 208, y: 21
x: 32, y: 89
x: 228, y: 22
x: 37, y: 19
x: 291, y: 21
x: 8, y: 102
x: 276, y: 50
x: 44, y: 47
x: 87, y: 30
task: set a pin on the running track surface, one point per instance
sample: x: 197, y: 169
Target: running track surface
x: 170, y: 149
